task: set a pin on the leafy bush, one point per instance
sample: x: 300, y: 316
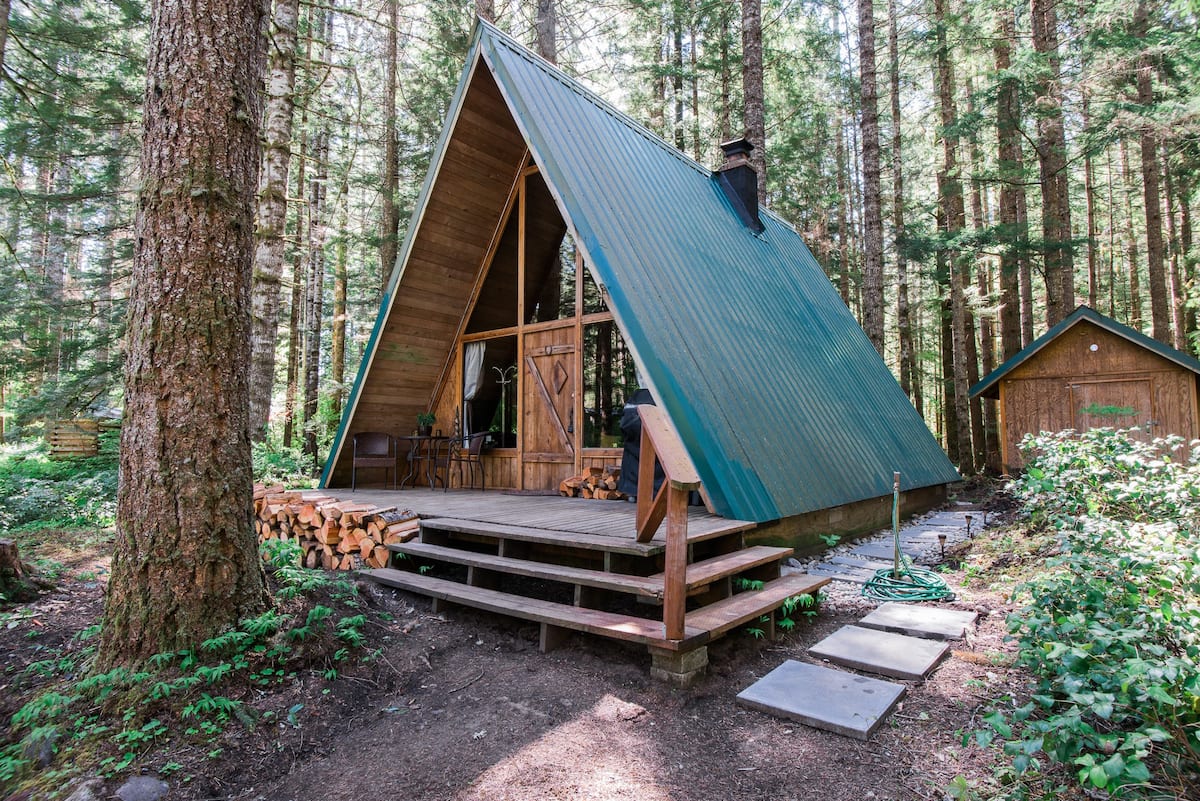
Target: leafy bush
x: 277, y: 464
x: 1111, y: 632
x: 38, y: 492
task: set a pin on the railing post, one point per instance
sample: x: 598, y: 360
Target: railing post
x: 675, y: 573
x: 660, y: 443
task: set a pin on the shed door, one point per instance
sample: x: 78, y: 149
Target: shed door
x: 1115, y: 404
x: 548, y: 403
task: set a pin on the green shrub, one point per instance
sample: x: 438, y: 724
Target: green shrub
x: 1111, y: 632
x: 276, y: 464
x: 38, y: 492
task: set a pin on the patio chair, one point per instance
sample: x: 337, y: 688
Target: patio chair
x: 471, y: 457
x: 373, y: 449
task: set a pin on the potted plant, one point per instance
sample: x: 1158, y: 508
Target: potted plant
x: 425, y: 421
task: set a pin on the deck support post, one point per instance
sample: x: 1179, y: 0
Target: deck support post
x: 551, y: 637
x: 678, y: 668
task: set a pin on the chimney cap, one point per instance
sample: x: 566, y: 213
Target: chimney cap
x: 736, y: 146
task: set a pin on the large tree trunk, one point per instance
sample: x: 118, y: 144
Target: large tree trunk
x: 1179, y: 287
x: 677, y: 75
x: 105, y: 334
x: 295, y: 311
x: 1160, y: 311
x: 1009, y: 168
x: 725, y: 112
x: 752, y: 91
x: 390, y: 224
x: 337, y: 341
x: 314, y: 292
x: 1089, y: 199
x: 843, y: 220
x: 1058, y: 263
x: 872, y: 280
x: 485, y: 9
x: 1131, y: 242
x: 1189, y: 259
x: 953, y: 212
x: 5, y: 5
x: 272, y: 212
x: 186, y: 558
x: 547, y: 30
x: 909, y: 381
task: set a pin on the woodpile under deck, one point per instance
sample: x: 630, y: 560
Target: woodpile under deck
x: 575, y: 565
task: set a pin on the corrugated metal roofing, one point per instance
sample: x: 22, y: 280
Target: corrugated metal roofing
x: 988, y: 385
x: 777, y: 394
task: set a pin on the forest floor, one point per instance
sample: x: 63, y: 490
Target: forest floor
x: 463, y: 706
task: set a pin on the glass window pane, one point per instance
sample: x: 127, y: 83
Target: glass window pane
x: 609, y: 378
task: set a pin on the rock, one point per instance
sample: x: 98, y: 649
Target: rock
x: 143, y: 788
x: 40, y: 747
x: 87, y: 790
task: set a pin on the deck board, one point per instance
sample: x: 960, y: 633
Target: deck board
x: 610, y: 519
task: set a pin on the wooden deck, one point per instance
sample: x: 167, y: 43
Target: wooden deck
x: 570, y: 564
x: 614, y: 521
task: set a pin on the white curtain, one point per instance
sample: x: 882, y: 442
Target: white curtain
x: 472, y: 378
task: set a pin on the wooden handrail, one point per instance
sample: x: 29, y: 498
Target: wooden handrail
x: 661, y: 445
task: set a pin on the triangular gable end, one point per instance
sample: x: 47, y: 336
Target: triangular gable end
x: 989, y: 385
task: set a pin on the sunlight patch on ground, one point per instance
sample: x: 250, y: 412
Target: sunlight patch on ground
x: 603, y: 755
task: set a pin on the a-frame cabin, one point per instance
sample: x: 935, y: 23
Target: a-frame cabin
x: 560, y: 255
x: 574, y: 245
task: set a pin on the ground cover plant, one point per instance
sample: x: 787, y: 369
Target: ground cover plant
x: 1110, y: 630
x: 107, y: 724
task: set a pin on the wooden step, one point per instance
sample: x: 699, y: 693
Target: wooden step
x: 716, y: 619
x: 545, y: 536
x: 635, y: 585
x: 709, y: 570
x: 548, y: 613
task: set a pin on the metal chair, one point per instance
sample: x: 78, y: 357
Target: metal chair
x: 373, y: 449
x: 471, y: 456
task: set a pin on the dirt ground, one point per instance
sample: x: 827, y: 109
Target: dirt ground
x: 463, y: 706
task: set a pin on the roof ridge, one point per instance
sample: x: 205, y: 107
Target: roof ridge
x: 556, y: 73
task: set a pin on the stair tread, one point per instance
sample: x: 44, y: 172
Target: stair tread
x: 624, y: 543
x: 545, y: 536
x: 594, y: 621
x: 636, y: 585
x: 709, y: 570
x: 724, y: 615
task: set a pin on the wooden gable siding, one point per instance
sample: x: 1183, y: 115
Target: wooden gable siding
x: 483, y: 157
x: 1051, y: 390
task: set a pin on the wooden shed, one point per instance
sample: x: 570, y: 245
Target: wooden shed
x: 1090, y: 371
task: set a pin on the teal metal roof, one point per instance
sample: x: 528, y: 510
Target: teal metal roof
x: 777, y: 394
x: 779, y: 397
x: 988, y: 385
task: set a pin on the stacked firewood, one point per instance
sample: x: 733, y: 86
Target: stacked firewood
x: 333, y: 534
x: 594, y: 482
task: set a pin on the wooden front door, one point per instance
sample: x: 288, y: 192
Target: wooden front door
x: 548, y: 407
x: 1115, y: 404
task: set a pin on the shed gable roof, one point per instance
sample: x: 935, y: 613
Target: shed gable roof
x: 989, y: 385
x: 777, y: 394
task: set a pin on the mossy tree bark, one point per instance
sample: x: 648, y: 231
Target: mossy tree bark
x: 186, y: 563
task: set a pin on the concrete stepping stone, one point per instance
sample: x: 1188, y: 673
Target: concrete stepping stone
x: 884, y: 550
x: 861, y: 564
x: 929, y: 622
x: 823, y: 698
x: 842, y: 573
x: 894, y: 655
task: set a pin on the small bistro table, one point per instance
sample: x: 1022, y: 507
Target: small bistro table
x: 424, y: 448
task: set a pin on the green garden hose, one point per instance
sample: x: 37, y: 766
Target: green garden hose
x: 912, y: 584
x: 903, y: 582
